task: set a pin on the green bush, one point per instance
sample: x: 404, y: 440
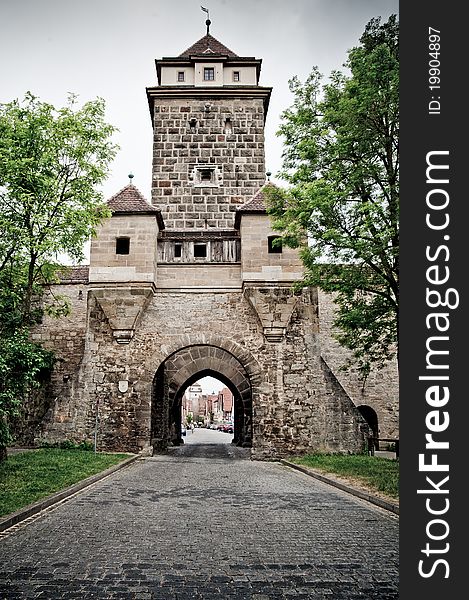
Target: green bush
x: 67, y: 445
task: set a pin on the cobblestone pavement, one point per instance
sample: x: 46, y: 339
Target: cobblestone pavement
x: 204, y: 522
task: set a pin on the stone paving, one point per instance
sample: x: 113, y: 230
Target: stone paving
x: 204, y: 522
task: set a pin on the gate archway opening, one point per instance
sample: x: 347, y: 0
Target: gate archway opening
x: 208, y: 403
x: 183, y: 368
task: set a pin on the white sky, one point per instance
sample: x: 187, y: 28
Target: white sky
x: 107, y: 48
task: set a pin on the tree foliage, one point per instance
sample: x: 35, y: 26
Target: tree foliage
x: 24, y: 365
x: 51, y: 164
x: 341, y: 146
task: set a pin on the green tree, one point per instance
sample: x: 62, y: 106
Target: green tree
x: 24, y: 365
x: 341, y: 144
x: 51, y: 164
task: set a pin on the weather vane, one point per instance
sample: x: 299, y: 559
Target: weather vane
x: 207, y: 22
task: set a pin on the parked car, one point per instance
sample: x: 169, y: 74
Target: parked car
x: 225, y: 427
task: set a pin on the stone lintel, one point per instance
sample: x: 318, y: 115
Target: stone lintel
x: 274, y: 334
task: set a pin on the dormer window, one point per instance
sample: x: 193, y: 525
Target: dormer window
x: 236, y: 76
x: 209, y: 74
x: 181, y: 76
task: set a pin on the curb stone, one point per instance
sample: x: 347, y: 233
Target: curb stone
x: 28, y: 511
x: 392, y: 507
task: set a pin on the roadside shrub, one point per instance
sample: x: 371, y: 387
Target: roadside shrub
x: 67, y: 445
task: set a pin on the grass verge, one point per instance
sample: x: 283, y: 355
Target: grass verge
x: 373, y: 472
x: 31, y: 476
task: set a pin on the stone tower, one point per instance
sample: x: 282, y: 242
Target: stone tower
x: 191, y: 284
x: 208, y: 113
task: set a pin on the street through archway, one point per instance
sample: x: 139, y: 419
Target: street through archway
x: 209, y: 443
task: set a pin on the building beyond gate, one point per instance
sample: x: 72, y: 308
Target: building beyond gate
x: 190, y: 284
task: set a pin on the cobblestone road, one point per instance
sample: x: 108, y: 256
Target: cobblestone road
x: 204, y: 522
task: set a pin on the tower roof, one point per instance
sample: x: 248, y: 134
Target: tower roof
x: 129, y: 200
x: 208, y: 45
x: 255, y: 205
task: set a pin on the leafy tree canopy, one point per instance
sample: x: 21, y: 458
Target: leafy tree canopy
x: 51, y: 164
x: 342, y: 205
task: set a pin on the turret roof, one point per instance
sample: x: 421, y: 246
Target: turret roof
x: 130, y: 200
x: 255, y: 205
x: 208, y: 45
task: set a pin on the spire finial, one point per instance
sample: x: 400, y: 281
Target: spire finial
x: 207, y: 22
x: 130, y: 178
x: 268, y: 175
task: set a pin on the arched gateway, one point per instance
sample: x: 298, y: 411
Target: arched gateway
x: 187, y: 365
x: 189, y: 284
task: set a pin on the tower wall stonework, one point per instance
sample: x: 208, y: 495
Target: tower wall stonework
x: 180, y: 153
x: 381, y: 391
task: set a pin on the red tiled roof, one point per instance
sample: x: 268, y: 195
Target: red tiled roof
x: 255, y: 205
x: 78, y: 274
x: 130, y: 200
x: 208, y: 45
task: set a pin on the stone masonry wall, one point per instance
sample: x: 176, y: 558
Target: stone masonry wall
x: 257, y: 264
x: 381, y: 391
x: 181, y: 151
x: 139, y: 264
x: 66, y: 337
x: 294, y: 410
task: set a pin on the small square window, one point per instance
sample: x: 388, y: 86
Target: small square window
x: 206, y: 175
x: 209, y: 74
x: 181, y: 76
x: 236, y: 76
x: 122, y: 245
x: 177, y: 250
x: 274, y: 248
x: 200, y: 250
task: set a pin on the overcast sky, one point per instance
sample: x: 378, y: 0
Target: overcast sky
x: 107, y: 48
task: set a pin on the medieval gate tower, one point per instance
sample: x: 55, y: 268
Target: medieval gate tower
x: 190, y: 284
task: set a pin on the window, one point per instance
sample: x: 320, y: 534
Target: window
x: 200, y: 250
x: 209, y: 74
x: 206, y: 175
x: 177, y: 250
x: 192, y: 124
x: 181, y: 76
x: 274, y: 248
x: 228, y: 127
x: 122, y: 245
x: 236, y: 76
